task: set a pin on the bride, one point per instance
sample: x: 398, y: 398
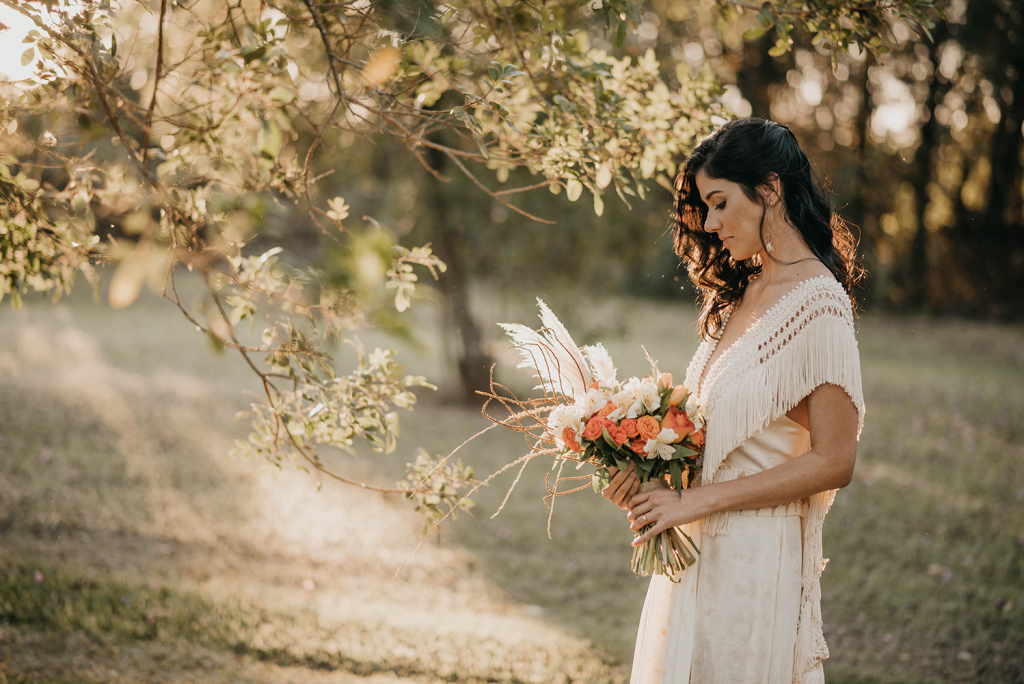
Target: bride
x: 779, y: 372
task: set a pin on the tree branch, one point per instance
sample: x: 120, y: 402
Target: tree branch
x: 148, y: 127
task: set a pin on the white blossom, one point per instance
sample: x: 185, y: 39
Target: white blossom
x: 649, y: 395
x: 695, y: 412
x: 591, y: 402
x: 565, y: 416
x: 661, y: 446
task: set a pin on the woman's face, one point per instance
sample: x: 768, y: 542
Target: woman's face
x: 732, y: 216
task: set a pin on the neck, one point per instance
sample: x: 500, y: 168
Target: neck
x: 789, y: 250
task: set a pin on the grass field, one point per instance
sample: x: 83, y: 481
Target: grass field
x: 132, y: 549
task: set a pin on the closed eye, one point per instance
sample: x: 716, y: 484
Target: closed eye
x: 720, y: 206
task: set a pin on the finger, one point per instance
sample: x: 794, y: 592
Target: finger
x: 619, y: 488
x: 642, y: 521
x: 613, y: 486
x: 612, y: 471
x: 620, y: 496
x: 639, y: 498
x: 650, y: 534
x: 618, y: 479
x: 628, y: 491
x: 637, y: 511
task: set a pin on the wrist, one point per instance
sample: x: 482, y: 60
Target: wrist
x: 708, y: 499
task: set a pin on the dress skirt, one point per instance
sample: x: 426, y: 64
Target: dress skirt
x: 732, y: 617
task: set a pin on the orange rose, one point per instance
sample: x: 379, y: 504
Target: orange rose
x: 593, y: 428
x: 618, y: 435
x: 637, y: 446
x: 606, y: 409
x: 648, y: 427
x: 629, y: 425
x: 697, y: 439
x: 678, y: 421
x: 665, y: 379
x: 678, y: 394
x: 569, y: 437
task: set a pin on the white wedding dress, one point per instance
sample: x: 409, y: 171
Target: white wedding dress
x: 748, y: 612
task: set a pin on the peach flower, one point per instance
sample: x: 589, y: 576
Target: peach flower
x: 665, y: 379
x: 569, y: 437
x: 648, y: 427
x: 637, y: 446
x: 618, y: 435
x: 629, y: 425
x: 593, y: 428
x: 608, y: 408
x: 678, y: 394
x: 677, y: 420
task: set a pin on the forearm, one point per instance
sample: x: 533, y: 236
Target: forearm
x: 793, y: 480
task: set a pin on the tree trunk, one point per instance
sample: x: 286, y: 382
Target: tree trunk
x: 474, y: 364
x: 1004, y: 181
x: 931, y: 132
x: 759, y: 71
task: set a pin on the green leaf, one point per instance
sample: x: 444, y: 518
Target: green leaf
x: 282, y: 95
x: 683, y: 451
x: 665, y: 397
x: 676, y: 468
x: 620, y: 35
x: 780, y: 48
x: 754, y: 32
x: 573, y: 189
x: 600, y: 479
x: 27, y: 55
x: 271, y: 143
x: 598, y: 204
x: 608, y: 438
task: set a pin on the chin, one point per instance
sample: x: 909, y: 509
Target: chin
x: 741, y: 254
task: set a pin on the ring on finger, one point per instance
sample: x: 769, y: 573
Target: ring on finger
x: 644, y: 516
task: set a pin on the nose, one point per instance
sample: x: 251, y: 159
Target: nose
x: 712, y: 225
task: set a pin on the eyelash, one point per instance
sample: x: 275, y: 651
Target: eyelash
x: 720, y: 206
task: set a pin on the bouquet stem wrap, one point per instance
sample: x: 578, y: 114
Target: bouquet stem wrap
x: 667, y: 554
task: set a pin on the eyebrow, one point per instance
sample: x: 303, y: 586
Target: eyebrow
x: 713, y: 192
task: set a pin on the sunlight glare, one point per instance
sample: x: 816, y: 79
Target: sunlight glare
x: 11, y: 47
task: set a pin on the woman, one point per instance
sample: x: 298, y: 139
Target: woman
x: 780, y: 374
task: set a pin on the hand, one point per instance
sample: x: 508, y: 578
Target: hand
x: 665, y: 508
x: 623, y: 486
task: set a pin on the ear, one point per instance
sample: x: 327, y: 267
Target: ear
x: 772, y: 189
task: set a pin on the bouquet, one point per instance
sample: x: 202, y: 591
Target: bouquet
x: 593, y: 418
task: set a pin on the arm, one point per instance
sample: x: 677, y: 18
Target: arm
x: 832, y: 421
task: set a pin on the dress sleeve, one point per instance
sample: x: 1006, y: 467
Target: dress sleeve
x: 812, y: 344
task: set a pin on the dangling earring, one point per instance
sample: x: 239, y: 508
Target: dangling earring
x: 768, y: 245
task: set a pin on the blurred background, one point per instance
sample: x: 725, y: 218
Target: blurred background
x: 132, y: 549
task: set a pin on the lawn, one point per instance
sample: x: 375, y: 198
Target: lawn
x: 132, y: 548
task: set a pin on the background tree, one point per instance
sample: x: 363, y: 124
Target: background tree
x: 163, y: 136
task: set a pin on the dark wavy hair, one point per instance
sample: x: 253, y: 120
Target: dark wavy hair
x: 748, y: 152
